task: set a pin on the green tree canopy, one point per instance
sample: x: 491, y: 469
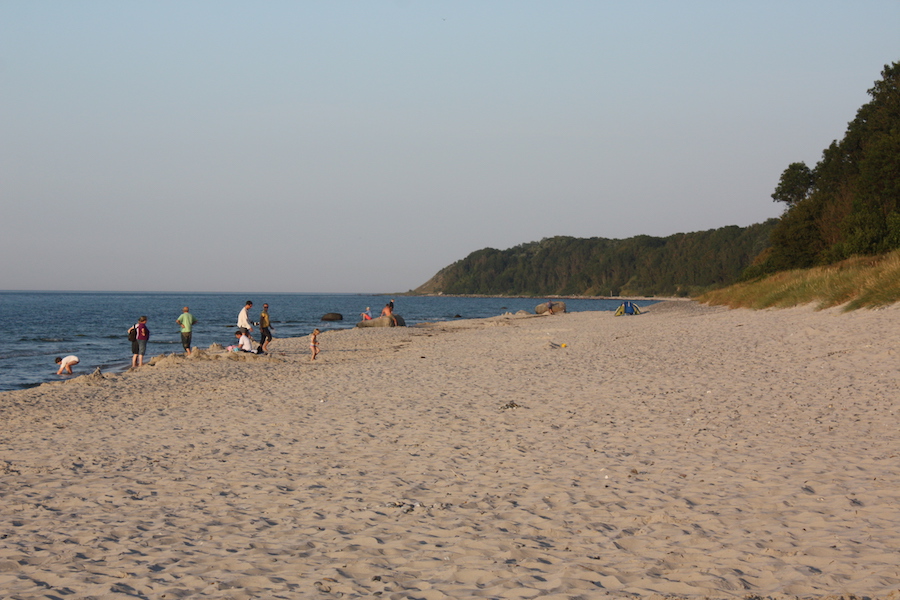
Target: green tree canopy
x: 795, y: 184
x: 680, y: 264
x: 850, y: 202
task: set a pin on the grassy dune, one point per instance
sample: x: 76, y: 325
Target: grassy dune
x: 863, y: 281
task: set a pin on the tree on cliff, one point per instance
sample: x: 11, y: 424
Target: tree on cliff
x: 850, y: 202
x: 795, y: 184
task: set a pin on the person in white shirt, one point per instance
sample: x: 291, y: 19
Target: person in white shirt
x: 66, y: 364
x: 244, y: 343
x: 244, y: 318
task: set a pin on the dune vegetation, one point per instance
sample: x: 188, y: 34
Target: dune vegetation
x: 858, y: 282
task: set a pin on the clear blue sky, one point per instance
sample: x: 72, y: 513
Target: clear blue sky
x: 362, y: 146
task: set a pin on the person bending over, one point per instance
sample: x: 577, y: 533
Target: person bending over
x: 66, y: 364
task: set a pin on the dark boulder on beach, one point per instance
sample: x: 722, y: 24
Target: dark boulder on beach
x: 558, y: 307
x: 333, y: 317
x: 392, y: 321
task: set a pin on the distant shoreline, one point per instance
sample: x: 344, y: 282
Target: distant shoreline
x: 553, y: 296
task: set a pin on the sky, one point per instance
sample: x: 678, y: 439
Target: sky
x: 329, y: 147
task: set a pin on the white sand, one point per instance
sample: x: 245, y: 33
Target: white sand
x: 689, y: 452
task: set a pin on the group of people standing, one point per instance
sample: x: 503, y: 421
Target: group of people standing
x: 139, y: 335
x: 245, y: 329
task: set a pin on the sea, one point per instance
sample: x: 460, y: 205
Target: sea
x: 36, y: 327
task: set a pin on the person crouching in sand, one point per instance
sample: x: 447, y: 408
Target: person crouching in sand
x: 66, y: 364
x: 314, y: 343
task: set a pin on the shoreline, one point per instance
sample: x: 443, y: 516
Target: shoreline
x: 98, y: 340
x: 689, y: 452
x: 552, y: 296
x: 208, y: 353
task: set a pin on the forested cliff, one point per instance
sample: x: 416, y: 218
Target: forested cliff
x: 848, y: 204
x: 680, y: 264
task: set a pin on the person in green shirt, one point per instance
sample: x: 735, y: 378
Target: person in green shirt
x: 186, y: 320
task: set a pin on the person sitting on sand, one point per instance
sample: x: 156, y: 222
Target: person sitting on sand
x: 244, y: 343
x: 314, y: 343
x: 66, y: 364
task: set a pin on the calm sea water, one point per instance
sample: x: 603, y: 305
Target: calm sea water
x: 36, y: 327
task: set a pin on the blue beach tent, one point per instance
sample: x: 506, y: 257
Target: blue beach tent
x: 628, y: 308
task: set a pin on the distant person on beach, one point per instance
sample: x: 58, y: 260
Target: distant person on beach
x: 265, y: 327
x: 244, y: 318
x: 314, y: 343
x: 186, y: 320
x: 549, y: 307
x: 366, y: 314
x: 244, y: 343
x: 388, y: 311
x: 66, y: 364
x: 139, y: 345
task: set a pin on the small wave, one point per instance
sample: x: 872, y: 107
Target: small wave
x: 27, y: 354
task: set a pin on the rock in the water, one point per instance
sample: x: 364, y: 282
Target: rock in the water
x: 333, y: 317
x: 558, y: 307
x: 392, y: 321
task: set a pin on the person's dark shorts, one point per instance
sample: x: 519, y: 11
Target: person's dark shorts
x: 186, y: 340
x: 141, y: 347
x: 265, y: 335
x: 135, y: 349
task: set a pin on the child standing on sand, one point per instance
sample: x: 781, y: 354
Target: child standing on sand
x: 314, y: 343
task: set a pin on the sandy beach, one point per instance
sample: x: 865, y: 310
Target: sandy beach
x: 689, y: 452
